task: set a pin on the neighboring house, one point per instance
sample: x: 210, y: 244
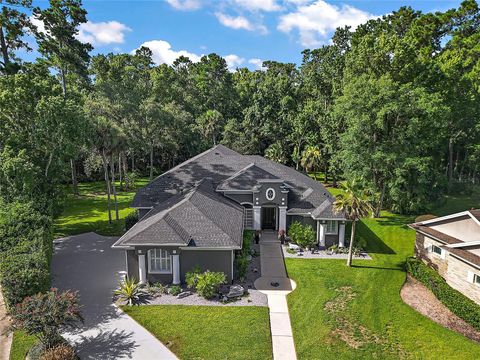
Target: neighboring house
x: 451, y: 245
x: 195, y: 213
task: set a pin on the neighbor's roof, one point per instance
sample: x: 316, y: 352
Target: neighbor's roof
x: 199, y: 217
x: 228, y: 169
x: 452, y: 244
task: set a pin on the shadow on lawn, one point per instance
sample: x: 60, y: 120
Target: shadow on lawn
x: 375, y: 245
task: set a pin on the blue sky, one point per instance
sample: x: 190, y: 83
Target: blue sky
x: 243, y: 31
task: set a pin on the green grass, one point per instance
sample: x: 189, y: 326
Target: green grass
x: 88, y: 211
x: 208, y: 332
x: 20, y: 345
x: 375, y: 322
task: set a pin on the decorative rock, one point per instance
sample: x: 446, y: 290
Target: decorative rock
x: 255, y: 270
x: 293, y: 246
x: 184, y: 294
x: 235, y: 291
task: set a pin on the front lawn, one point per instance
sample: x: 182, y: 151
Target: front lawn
x: 208, y: 332
x: 21, y: 344
x: 88, y: 211
x: 357, y: 313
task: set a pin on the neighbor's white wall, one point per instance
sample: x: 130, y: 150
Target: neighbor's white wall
x: 466, y: 230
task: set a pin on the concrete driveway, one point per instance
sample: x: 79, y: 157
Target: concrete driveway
x: 86, y: 263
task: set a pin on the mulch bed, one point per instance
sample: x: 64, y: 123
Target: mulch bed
x: 425, y: 302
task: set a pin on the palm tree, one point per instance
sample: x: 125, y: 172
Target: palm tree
x: 276, y: 153
x: 355, y: 204
x: 311, y: 159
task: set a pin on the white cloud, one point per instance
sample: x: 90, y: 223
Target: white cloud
x: 185, y: 5
x: 316, y: 22
x: 164, y: 54
x: 257, y: 63
x: 259, y: 5
x: 233, y: 61
x: 102, y: 33
x: 239, y: 22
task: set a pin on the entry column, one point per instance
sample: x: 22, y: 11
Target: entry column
x: 142, y: 271
x: 176, y: 268
x: 257, y: 225
x: 282, y: 221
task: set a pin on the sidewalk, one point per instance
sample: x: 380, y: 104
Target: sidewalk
x: 276, y: 285
x: 5, y: 339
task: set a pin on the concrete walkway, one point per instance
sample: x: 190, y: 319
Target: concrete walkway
x: 5, y: 337
x: 86, y: 263
x: 276, y: 285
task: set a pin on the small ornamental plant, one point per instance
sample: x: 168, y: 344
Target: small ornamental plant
x: 46, y: 315
x: 129, y: 291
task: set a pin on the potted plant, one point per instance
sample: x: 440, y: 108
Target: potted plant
x: 281, y: 236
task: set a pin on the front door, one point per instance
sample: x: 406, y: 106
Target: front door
x: 269, y: 219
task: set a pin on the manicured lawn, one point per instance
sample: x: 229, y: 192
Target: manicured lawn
x: 357, y: 313
x: 88, y: 211
x: 208, y: 332
x: 20, y: 345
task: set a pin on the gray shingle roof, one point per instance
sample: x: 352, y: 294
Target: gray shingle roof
x: 199, y: 217
x: 220, y: 163
x: 246, y: 179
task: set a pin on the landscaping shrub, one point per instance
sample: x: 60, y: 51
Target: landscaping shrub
x: 174, y: 290
x: 242, y: 266
x: 22, y: 223
x: 46, y: 315
x: 424, y: 217
x: 191, y: 277
x: 23, y: 274
x: 209, y: 283
x: 60, y: 352
x: 131, y: 219
x: 157, y: 289
x: 458, y: 303
x: 303, y: 235
x: 247, y: 241
x: 129, y: 291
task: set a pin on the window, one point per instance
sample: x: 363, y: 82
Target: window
x: 331, y: 228
x: 476, y: 279
x: 159, y: 261
x: 437, y: 250
x: 248, y: 216
x: 270, y: 194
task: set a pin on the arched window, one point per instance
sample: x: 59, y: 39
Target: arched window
x: 248, y: 216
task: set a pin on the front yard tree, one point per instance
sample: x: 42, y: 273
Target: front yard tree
x: 13, y: 26
x: 355, y: 204
x: 59, y: 44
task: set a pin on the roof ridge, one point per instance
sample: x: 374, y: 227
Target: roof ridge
x: 175, y: 226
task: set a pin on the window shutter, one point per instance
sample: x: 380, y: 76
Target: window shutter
x: 428, y: 248
x: 443, y: 254
x: 470, y: 276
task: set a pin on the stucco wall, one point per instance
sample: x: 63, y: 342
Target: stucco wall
x: 465, y: 228
x: 305, y: 220
x: 213, y: 260
x: 457, y: 278
x: 262, y: 199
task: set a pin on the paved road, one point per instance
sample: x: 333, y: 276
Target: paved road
x: 87, y: 264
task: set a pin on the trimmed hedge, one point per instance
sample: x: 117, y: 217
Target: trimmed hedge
x: 25, y: 251
x: 458, y: 303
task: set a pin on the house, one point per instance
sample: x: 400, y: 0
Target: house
x: 195, y: 214
x: 451, y: 245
